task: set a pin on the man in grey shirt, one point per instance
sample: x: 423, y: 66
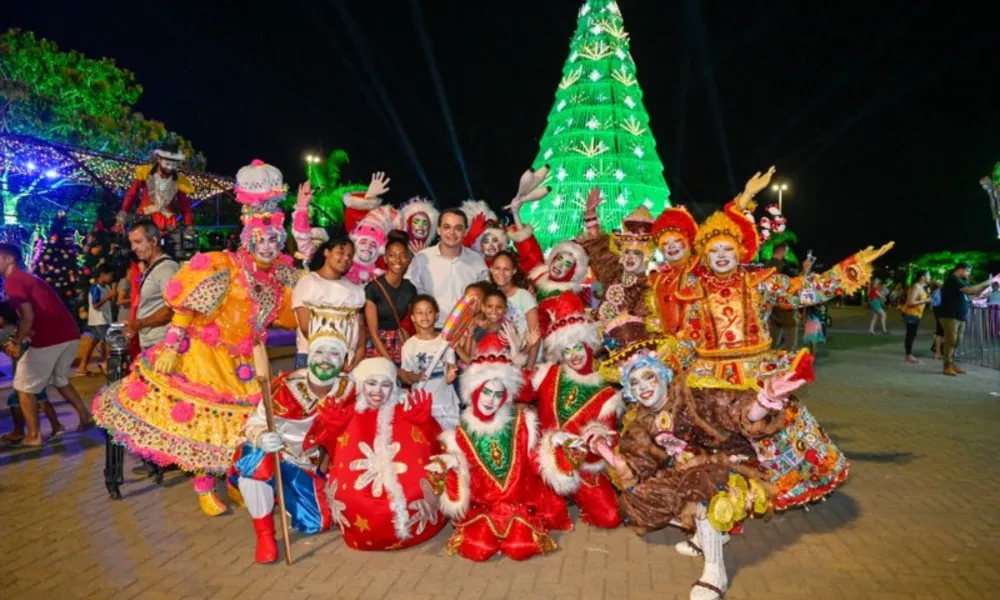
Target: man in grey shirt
x: 152, y: 315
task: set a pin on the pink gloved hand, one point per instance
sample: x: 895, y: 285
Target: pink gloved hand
x: 304, y: 197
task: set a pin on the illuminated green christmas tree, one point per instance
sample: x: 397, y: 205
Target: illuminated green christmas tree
x: 598, y: 134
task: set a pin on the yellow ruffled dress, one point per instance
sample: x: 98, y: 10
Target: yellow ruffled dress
x: 193, y: 417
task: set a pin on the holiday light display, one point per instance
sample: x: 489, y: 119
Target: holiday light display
x: 598, y: 134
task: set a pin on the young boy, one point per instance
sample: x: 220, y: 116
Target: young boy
x: 99, y: 318
x: 8, y: 326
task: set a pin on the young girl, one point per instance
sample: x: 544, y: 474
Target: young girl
x: 387, y: 300
x: 876, y: 300
x: 812, y: 329
x: 417, y: 353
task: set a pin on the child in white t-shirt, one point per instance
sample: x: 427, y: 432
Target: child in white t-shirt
x: 419, y: 351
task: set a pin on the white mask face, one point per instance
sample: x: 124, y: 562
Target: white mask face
x: 575, y: 357
x: 420, y: 227
x: 674, y: 247
x: 633, y: 261
x: 491, y: 397
x: 561, y: 265
x: 366, y: 250
x: 491, y: 244
x: 647, y: 387
x: 325, y: 362
x: 266, y: 247
x: 722, y: 257
x: 377, y: 390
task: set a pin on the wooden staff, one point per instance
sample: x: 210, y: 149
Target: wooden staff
x: 263, y: 368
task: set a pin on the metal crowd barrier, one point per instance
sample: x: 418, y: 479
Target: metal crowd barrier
x: 980, y: 344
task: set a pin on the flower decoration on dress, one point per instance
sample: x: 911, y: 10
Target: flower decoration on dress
x: 182, y: 412
x: 137, y: 389
x: 200, y: 262
x: 245, y: 372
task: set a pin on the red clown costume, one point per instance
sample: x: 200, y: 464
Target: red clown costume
x: 572, y: 398
x: 497, y: 475
x: 159, y: 192
x: 379, y: 443
x: 673, y: 232
x: 486, y: 235
x: 564, y: 271
x: 419, y: 219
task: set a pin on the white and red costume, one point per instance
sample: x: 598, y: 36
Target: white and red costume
x: 485, y: 235
x: 158, y: 192
x: 419, y: 218
x: 369, y: 236
x: 497, y: 475
x: 576, y: 401
x: 377, y: 457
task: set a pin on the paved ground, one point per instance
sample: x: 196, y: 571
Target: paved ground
x: 917, y: 519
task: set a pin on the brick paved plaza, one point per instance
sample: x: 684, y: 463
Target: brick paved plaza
x: 917, y: 518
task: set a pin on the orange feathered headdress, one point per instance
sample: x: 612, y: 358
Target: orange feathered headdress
x: 729, y: 222
x: 676, y: 220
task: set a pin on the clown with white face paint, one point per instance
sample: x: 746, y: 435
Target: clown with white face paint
x: 496, y: 477
x: 378, y: 441
x: 486, y: 235
x: 297, y: 397
x: 674, y: 232
x: 369, y: 237
x: 419, y: 219
x: 682, y: 450
x: 188, y: 398
x: 572, y: 398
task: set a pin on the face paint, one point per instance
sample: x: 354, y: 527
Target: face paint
x: 420, y: 226
x: 722, y: 256
x: 366, y: 250
x: 561, y: 266
x: 647, y: 387
x: 325, y: 362
x: 491, y: 244
x: 634, y: 261
x: 577, y: 357
x: 491, y: 397
x: 265, y: 246
x: 377, y: 390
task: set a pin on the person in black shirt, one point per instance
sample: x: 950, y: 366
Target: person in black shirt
x: 387, y: 301
x: 954, y: 312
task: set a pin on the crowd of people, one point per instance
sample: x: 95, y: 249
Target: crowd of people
x: 476, y: 381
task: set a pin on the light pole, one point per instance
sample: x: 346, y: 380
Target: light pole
x: 780, y: 188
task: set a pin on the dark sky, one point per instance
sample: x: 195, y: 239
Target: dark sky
x: 881, y: 115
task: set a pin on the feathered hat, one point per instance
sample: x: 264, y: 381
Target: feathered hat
x: 568, y: 325
x: 636, y: 234
x: 675, y: 220
x: 482, y: 220
x: 259, y: 189
x: 492, y: 361
x: 415, y: 206
x: 731, y: 223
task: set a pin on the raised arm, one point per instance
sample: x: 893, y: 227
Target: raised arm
x: 845, y: 278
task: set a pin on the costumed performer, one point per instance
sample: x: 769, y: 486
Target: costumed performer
x: 370, y: 236
x: 571, y: 397
x: 379, y: 441
x: 673, y: 233
x: 680, y: 454
x: 359, y: 204
x: 187, y: 399
x: 419, y: 220
x: 159, y: 192
x: 495, y: 475
x: 297, y: 396
x: 486, y: 235
x: 725, y: 317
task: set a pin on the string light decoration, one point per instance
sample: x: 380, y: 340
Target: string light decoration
x: 598, y: 134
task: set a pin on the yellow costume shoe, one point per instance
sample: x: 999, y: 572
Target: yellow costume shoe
x: 234, y: 495
x: 211, y: 505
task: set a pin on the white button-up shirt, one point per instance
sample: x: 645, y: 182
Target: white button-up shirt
x: 446, y: 278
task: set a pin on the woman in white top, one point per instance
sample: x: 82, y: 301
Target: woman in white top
x: 325, y: 287
x: 522, y: 308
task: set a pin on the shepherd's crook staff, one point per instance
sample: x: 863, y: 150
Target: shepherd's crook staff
x: 263, y: 368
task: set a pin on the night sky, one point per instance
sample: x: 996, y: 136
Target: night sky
x: 882, y: 116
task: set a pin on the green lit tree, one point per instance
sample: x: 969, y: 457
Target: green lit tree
x: 59, y: 264
x: 64, y: 97
x: 598, y: 134
x: 324, y: 176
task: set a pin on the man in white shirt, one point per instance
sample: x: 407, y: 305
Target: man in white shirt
x: 447, y: 268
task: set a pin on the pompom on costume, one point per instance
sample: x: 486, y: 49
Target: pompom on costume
x: 485, y: 235
x: 370, y: 235
x: 498, y: 472
x: 187, y: 399
x: 725, y: 319
x: 296, y: 405
x: 377, y: 455
x: 578, y: 402
x: 418, y: 218
x: 160, y: 193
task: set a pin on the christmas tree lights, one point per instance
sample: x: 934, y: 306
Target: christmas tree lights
x: 598, y: 134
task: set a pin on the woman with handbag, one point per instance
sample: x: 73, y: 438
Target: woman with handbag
x: 387, y: 299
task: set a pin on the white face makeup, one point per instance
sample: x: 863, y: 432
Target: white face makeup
x: 722, y: 256
x: 647, y: 387
x: 561, y: 265
x: 266, y: 247
x: 491, y: 397
x: 633, y: 261
x: 575, y: 357
x: 674, y: 247
x: 365, y: 250
x: 326, y: 359
x: 491, y: 244
x: 377, y: 390
x: 420, y: 227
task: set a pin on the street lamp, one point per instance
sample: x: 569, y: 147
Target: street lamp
x: 780, y: 188
x: 312, y: 159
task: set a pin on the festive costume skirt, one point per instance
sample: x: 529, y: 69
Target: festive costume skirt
x: 800, y: 461
x: 192, y: 417
x: 812, y: 332
x: 513, y: 529
x: 393, y: 343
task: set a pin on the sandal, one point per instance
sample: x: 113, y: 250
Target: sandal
x: 11, y: 439
x: 87, y: 425
x: 694, y: 547
x: 710, y: 587
x: 56, y: 433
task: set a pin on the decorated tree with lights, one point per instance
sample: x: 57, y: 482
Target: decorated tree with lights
x: 64, y: 97
x: 59, y: 263
x: 324, y: 175
x: 598, y: 133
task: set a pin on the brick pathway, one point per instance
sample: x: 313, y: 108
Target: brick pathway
x: 917, y: 519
